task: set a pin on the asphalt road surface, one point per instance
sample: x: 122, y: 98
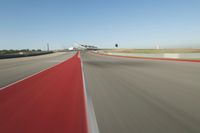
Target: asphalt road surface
x: 52, y: 101
x: 15, y: 69
x: 143, y: 96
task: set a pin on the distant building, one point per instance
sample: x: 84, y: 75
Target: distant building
x: 157, y: 47
x: 82, y: 47
x: 21, y: 53
x: 71, y: 48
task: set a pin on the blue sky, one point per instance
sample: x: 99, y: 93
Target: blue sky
x: 132, y: 24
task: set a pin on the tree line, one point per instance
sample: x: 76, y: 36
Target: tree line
x: 17, y: 51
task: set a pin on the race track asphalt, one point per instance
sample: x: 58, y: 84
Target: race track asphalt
x: 143, y: 96
x: 128, y: 95
x: 15, y: 69
x: 52, y: 101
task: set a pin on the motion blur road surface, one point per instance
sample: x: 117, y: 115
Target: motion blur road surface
x: 15, y: 69
x: 143, y: 96
x: 52, y: 101
x: 128, y: 95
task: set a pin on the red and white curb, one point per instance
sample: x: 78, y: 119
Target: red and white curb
x: 147, y: 58
x: 54, y: 99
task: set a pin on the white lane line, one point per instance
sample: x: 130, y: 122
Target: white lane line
x: 33, y: 74
x: 93, y: 126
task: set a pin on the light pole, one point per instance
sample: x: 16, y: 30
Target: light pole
x: 47, y: 46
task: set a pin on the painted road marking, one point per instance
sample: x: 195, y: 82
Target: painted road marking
x: 48, y: 102
x: 93, y: 126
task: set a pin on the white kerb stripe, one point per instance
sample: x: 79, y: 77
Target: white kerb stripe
x: 93, y: 127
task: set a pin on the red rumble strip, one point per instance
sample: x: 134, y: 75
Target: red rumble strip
x: 149, y: 58
x: 52, y: 101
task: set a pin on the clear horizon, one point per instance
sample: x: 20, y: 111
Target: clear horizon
x: 132, y: 24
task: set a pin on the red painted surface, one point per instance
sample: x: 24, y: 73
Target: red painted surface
x: 146, y: 58
x: 50, y: 102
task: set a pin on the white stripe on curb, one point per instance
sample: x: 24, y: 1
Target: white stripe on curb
x: 92, y: 122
